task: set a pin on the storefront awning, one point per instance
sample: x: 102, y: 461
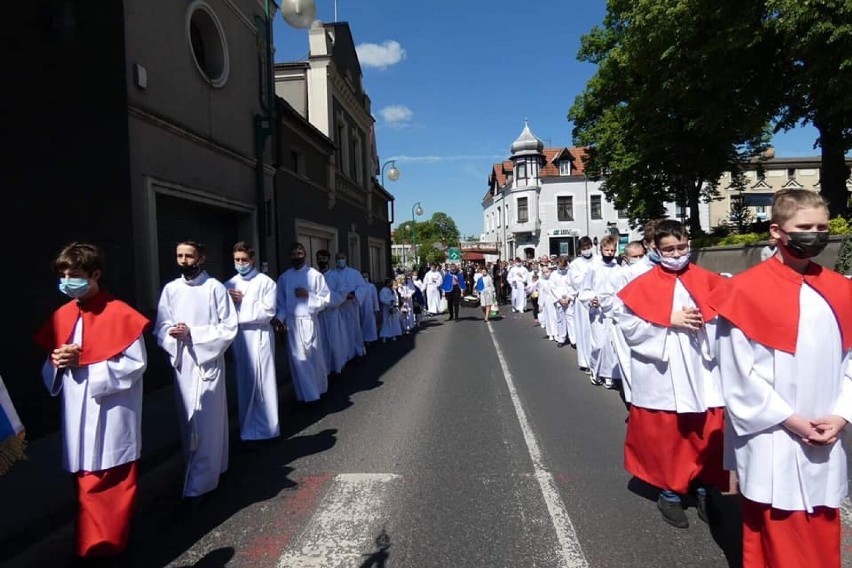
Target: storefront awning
x: 473, y: 256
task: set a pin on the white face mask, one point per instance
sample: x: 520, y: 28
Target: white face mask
x: 675, y: 264
x: 586, y: 253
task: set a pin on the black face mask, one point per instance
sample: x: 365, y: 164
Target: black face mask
x: 189, y: 271
x: 323, y: 264
x: 607, y: 258
x: 297, y: 261
x: 806, y: 244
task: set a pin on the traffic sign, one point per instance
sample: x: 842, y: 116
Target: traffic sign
x: 453, y: 254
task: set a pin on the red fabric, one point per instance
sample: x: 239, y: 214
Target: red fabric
x: 651, y: 295
x: 790, y: 539
x: 671, y: 450
x: 109, y: 327
x: 107, y: 499
x: 763, y: 302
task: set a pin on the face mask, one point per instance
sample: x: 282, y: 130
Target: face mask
x: 189, y: 271
x: 607, y: 258
x: 654, y: 256
x: 675, y: 264
x: 341, y: 263
x: 586, y: 253
x: 806, y: 244
x: 243, y: 269
x: 563, y: 270
x: 367, y: 280
x: 632, y: 261
x: 74, y: 287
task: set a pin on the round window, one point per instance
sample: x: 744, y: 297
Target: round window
x: 207, y: 43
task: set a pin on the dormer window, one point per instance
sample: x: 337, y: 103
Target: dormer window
x: 565, y: 167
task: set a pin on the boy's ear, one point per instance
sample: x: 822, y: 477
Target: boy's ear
x: 96, y: 275
x: 775, y: 231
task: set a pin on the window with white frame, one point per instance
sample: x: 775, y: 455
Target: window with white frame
x: 595, y: 208
x: 521, y: 170
x: 564, y: 208
x: 314, y: 237
x: 565, y: 167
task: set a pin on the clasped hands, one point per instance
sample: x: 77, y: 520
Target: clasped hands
x: 817, y: 432
x: 65, y: 356
x: 179, y: 331
x: 688, y: 318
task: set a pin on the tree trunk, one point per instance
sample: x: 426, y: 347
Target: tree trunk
x: 834, y: 171
x: 693, y: 196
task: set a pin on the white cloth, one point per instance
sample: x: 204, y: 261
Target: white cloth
x: 254, y: 356
x: 391, y: 325
x: 369, y: 309
x: 551, y: 312
x: 342, y: 282
x: 582, y: 322
x: 488, y: 295
x: 622, y: 350
x: 672, y: 369
x: 333, y: 330
x: 561, y: 290
x: 763, y: 387
x: 304, y: 335
x: 517, y: 277
x: 101, y: 407
x: 432, y: 281
x: 205, y: 307
x: 406, y: 312
x: 602, y: 281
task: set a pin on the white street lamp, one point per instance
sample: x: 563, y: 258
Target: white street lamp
x: 393, y: 173
x: 299, y: 13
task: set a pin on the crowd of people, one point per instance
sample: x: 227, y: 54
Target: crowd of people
x: 750, y: 374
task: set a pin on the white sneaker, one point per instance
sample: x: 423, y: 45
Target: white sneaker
x: 608, y: 383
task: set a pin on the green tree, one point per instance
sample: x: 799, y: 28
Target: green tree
x: 681, y: 95
x: 816, y: 48
x: 432, y: 236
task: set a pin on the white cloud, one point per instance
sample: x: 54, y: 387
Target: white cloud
x: 380, y: 56
x: 396, y: 115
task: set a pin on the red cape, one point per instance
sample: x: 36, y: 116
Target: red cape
x: 763, y: 302
x: 109, y: 327
x: 651, y: 295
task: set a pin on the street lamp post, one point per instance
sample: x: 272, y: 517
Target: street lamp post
x: 299, y: 14
x: 415, y: 209
x: 393, y: 173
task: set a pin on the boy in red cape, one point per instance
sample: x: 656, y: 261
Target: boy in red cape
x: 96, y: 361
x: 785, y: 334
x: 674, y: 428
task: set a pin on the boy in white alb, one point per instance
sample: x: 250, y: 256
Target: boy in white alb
x: 784, y: 344
x: 582, y: 322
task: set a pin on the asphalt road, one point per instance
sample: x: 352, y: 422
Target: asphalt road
x: 465, y: 444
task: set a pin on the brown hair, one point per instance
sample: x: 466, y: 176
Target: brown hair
x: 242, y: 246
x: 610, y: 240
x: 79, y: 256
x: 669, y: 228
x: 199, y: 248
x: 786, y: 202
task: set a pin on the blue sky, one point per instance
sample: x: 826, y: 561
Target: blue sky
x: 452, y: 81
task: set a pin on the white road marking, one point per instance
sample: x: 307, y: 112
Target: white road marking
x: 846, y: 512
x: 345, y: 525
x: 571, y: 553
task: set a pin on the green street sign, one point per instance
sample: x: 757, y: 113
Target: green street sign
x: 453, y: 253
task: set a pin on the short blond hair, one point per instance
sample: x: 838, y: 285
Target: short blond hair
x: 786, y: 202
x: 609, y: 240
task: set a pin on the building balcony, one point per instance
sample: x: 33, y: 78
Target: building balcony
x: 529, y: 226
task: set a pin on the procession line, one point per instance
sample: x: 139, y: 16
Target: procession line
x: 571, y: 551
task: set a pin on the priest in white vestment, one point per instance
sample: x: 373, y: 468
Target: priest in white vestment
x: 346, y: 284
x: 196, y: 323
x: 253, y: 294
x: 302, y: 295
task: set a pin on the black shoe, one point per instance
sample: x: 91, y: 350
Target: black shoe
x: 560, y: 344
x: 701, y: 506
x: 673, y: 513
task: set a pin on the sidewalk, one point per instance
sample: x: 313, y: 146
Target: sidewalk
x: 38, y: 496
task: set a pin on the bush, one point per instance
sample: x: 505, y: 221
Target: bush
x: 839, y: 226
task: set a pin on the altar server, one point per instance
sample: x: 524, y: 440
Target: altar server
x: 518, y: 277
x: 582, y: 322
x: 369, y: 309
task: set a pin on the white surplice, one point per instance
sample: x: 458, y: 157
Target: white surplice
x: 203, y: 304
x: 304, y: 335
x: 342, y: 282
x: 406, y: 312
x: 561, y: 289
x: 517, y: 277
x: 582, y: 322
x: 369, y: 309
x: 763, y: 387
x: 101, y: 407
x: 432, y: 281
x: 547, y: 304
x: 254, y: 356
x: 622, y: 350
x: 333, y: 329
x: 391, y: 324
x: 602, y: 281
x: 672, y: 369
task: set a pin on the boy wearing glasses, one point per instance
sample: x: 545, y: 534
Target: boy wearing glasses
x: 785, y: 336
x: 674, y: 426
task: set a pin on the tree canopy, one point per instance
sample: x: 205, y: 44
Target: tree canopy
x: 432, y: 236
x: 686, y: 90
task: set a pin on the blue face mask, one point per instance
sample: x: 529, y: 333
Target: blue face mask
x: 243, y: 269
x: 74, y: 287
x: 654, y: 256
x: 341, y: 263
